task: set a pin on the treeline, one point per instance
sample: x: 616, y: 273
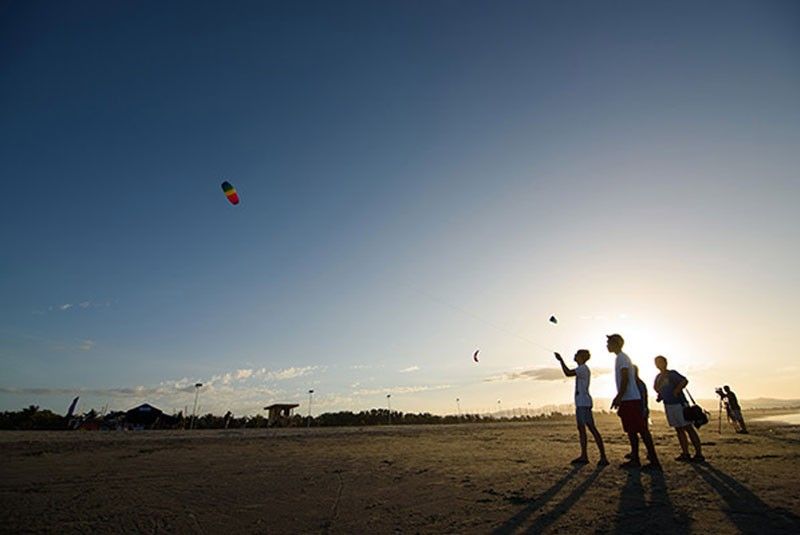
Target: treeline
x: 385, y: 417
x: 34, y: 418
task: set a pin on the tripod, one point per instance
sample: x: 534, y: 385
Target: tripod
x: 719, y: 431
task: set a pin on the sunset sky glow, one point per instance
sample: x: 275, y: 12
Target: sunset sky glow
x: 417, y: 180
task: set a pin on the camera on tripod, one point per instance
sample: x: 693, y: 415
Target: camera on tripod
x: 720, y: 392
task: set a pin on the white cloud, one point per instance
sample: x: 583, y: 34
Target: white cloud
x: 288, y: 373
x: 335, y: 402
x: 243, y: 391
x: 222, y: 385
x: 243, y: 374
x: 87, y: 345
x: 410, y: 369
x: 239, y: 375
x: 171, y: 395
x: 249, y: 374
x: 224, y: 378
x: 538, y: 374
x: 67, y: 306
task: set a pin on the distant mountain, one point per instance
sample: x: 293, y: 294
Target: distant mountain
x: 770, y: 403
x: 757, y: 403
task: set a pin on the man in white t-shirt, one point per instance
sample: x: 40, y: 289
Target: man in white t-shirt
x: 583, y: 406
x: 628, y: 401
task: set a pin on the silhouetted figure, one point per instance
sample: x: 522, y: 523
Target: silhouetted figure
x: 734, y: 410
x: 645, y: 405
x: 583, y: 406
x: 628, y: 401
x: 669, y: 386
x: 728, y: 414
x: 642, y: 392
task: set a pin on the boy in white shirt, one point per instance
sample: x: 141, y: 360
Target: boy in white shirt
x: 583, y: 406
x: 630, y: 406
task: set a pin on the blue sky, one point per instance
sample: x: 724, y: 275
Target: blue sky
x: 418, y: 179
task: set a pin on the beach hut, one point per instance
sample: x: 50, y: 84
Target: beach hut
x: 146, y: 416
x: 279, y: 413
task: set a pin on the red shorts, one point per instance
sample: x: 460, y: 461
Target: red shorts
x: 632, y: 416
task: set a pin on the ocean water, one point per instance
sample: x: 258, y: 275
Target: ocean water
x: 793, y: 419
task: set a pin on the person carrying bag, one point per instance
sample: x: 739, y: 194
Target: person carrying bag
x: 695, y: 413
x: 670, y: 386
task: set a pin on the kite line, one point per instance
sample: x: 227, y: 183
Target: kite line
x: 481, y: 319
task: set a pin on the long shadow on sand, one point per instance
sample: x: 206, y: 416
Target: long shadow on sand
x: 564, y: 505
x: 534, y: 505
x: 746, y: 510
x: 631, y: 502
x: 636, y: 515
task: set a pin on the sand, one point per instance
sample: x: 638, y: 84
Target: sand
x: 502, y: 478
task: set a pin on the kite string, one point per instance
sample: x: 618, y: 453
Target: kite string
x: 480, y: 319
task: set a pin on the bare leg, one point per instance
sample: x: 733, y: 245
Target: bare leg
x: 733, y: 421
x: 698, y: 449
x: 599, y: 440
x: 682, y: 439
x: 634, y: 439
x: 582, y: 435
x: 651, y: 448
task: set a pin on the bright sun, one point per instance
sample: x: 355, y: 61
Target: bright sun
x: 643, y: 342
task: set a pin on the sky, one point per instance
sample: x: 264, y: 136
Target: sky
x: 418, y: 180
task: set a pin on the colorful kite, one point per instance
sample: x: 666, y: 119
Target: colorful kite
x: 475, y: 355
x: 230, y: 192
x: 553, y: 319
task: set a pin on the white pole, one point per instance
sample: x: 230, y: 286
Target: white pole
x: 389, y: 403
x: 458, y: 404
x: 194, y: 409
x: 310, y: 393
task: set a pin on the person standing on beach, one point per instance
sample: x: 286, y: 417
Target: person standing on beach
x: 583, y: 406
x: 628, y: 401
x: 643, y: 393
x: 735, y: 410
x: 645, y: 405
x: 669, y: 385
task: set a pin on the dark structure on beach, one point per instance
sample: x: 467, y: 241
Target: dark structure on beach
x: 280, y: 413
x: 146, y: 416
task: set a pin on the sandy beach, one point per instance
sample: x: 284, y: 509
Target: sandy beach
x: 502, y: 478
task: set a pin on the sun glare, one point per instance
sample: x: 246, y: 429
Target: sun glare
x: 644, y: 340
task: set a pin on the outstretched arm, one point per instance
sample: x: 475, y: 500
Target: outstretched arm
x: 567, y: 371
